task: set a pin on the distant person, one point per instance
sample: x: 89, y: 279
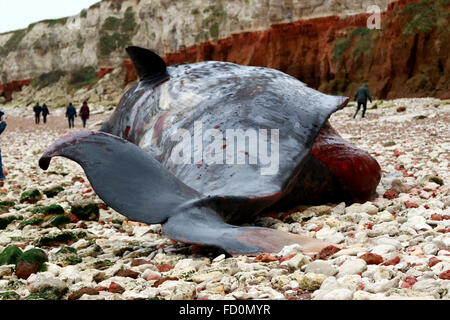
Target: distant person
x: 2, y: 128
x: 37, y: 113
x: 84, y: 113
x: 71, y: 113
x: 45, y: 113
x: 361, y: 97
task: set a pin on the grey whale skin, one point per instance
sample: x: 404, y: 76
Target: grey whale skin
x: 128, y: 162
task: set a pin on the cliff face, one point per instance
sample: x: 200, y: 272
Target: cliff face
x: 97, y: 36
x: 325, y: 43
x: 407, y: 57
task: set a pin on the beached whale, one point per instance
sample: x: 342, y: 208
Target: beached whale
x: 199, y: 147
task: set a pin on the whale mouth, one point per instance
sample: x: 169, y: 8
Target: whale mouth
x: 357, y: 171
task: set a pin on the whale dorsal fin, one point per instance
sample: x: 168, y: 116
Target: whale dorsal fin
x: 146, y: 62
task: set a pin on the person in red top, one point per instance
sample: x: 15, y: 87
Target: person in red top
x: 2, y: 128
x: 84, y: 113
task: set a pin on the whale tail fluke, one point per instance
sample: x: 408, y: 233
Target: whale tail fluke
x: 129, y: 180
x: 203, y: 226
x: 136, y: 185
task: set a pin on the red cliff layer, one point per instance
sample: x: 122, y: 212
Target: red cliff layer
x: 7, y: 89
x: 336, y: 55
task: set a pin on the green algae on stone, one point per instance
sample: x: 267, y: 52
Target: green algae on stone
x: 10, y: 255
x: 50, y: 193
x: 67, y: 256
x: 31, y: 196
x: 9, y: 295
x: 35, y: 209
x: 33, y: 296
x: 31, y: 261
x: 86, y: 212
x: 66, y: 249
x: 52, y: 209
x: 5, y: 221
x: 33, y: 256
x: 47, y: 293
x: 58, y: 238
x: 93, y: 250
x: 7, y: 203
x: 43, y: 268
x: 72, y: 260
x: 34, y: 222
x: 15, y: 284
x: 18, y: 239
x: 102, y: 264
x: 60, y: 220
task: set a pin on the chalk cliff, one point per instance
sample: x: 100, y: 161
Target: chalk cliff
x: 324, y: 43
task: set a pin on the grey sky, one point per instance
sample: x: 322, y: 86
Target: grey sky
x: 18, y: 14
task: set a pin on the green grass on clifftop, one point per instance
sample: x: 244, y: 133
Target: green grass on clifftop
x: 427, y: 15
x: 13, y: 42
x: 116, y: 33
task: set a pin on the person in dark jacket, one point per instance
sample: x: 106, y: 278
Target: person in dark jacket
x: 84, y: 113
x: 71, y: 113
x: 2, y: 128
x: 45, y: 112
x: 361, y: 97
x: 37, y: 113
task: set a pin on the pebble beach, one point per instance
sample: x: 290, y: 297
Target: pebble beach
x: 59, y: 241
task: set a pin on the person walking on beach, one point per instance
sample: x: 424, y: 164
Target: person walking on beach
x: 71, y: 113
x: 37, y: 113
x: 361, y: 97
x: 45, y: 112
x: 2, y: 128
x: 84, y: 113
